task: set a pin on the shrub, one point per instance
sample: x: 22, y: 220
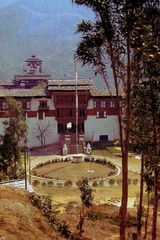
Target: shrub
x: 111, y: 174
x: 78, y: 183
x: 59, y: 185
x: 68, y: 183
x: 34, y: 173
x: 43, y: 184
x: 50, y: 183
x: 135, y: 181
x: 95, y: 184
x: 101, y: 183
x: 36, y: 183
x: 44, y: 203
x: 119, y: 181
x: 86, y: 159
x: 111, y: 182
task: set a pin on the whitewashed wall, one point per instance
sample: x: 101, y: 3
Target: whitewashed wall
x: 35, y: 123
x: 33, y: 131
x: 94, y: 127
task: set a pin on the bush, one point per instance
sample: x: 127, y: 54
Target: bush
x: 59, y: 185
x: 50, y: 183
x: 87, y: 159
x: 43, y: 184
x: 78, y: 183
x: 111, y: 174
x: 135, y: 181
x: 119, y: 181
x: 36, y: 183
x: 44, y: 203
x: 101, y: 183
x: 111, y: 182
x: 68, y: 183
x: 95, y: 184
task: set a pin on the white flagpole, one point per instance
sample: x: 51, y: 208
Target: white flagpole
x: 76, y: 77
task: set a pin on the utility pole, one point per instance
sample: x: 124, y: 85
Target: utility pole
x: 25, y: 166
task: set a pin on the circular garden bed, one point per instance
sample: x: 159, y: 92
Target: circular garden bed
x: 66, y: 170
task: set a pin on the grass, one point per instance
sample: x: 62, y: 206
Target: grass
x: 112, y: 154
x: 73, y: 171
x: 64, y: 195
x: 68, y: 171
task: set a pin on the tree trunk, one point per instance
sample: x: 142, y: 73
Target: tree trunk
x: 155, y: 207
x: 124, y: 138
x: 147, y: 215
x: 139, y: 214
x: 123, y: 208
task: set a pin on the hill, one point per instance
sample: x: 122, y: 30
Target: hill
x: 19, y: 219
x: 42, y: 27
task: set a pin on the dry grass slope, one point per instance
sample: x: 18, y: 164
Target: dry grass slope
x: 19, y: 219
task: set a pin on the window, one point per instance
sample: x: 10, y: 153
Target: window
x: 60, y: 128
x: 40, y: 115
x: 4, y: 105
x: 101, y: 114
x: 112, y: 104
x: 94, y: 104
x: 81, y: 112
x: 25, y: 105
x: 43, y: 104
x: 70, y: 113
x: 57, y: 113
x: 103, y: 104
x: 97, y: 114
x: 103, y: 137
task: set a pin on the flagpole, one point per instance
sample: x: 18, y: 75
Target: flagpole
x: 76, y: 76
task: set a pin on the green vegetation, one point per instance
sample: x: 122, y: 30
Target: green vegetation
x: 14, y: 134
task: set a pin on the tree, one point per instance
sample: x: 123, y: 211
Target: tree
x: 147, y: 127
x: 15, y: 132
x: 110, y: 38
x: 87, y: 198
x: 42, y: 130
x: 149, y: 188
x: 145, y: 131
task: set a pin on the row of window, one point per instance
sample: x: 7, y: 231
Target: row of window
x: 101, y: 114
x: 63, y: 113
x: 26, y: 105
x: 70, y: 99
x: 104, y: 104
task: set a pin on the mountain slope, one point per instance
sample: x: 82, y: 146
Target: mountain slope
x: 20, y: 220
x: 45, y: 28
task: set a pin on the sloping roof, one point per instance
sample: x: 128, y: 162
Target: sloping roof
x: 70, y: 85
x: 97, y: 92
x: 23, y: 92
x: 18, y: 184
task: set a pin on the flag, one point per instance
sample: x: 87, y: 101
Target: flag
x: 69, y: 125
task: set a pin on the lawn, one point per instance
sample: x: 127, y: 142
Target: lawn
x: 113, y: 154
x: 64, y: 195
x: 73, y: 171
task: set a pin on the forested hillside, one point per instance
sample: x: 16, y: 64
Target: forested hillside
x: 42, y: 27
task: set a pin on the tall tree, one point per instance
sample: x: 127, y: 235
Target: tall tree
x: 14, y: 133
x: 110, y: 38
x: 148, y: 52
x: 143, y: 130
